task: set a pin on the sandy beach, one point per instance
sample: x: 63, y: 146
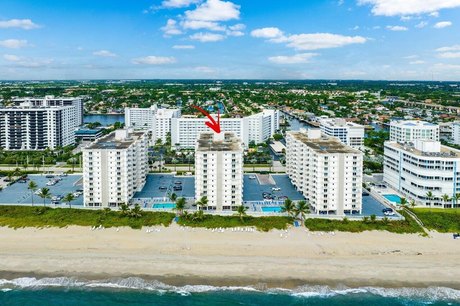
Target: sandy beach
x: 179, y: 256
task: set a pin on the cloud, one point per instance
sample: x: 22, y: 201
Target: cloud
x: 154, y: 60
x: 411, y: 56
x: 171, y: 28
x: 442, y: 24
x: 207, y: 37
x: 178, y: 3
x: 449, y: 55
x: 418, y: 62
x: 270, y: 32
x: 13, y: 43
x: 447, y: 49
x: 408, y: 7
x: 204, y: 69
x: 25, y: 24
x: 23, y: 62
x: 434, y: 14
x: 201, y: 24
x: 396, y: 28
x: 421, y: 24
x: 300, y: 58
x: 104, y: 53
x: 179, y: 47
x: 214, y: 10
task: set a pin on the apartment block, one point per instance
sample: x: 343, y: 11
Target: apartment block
x: 114, y: 168
x: 411, y: 130
x: 349, y: 133
x: 219, y: 170
x: 326, y: 171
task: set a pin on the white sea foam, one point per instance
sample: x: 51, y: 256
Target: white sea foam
x: 308, y: 291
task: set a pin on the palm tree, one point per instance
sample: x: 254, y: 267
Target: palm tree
x: 429, y: 196
x: 173, y: 197
x: 44, y: 193
x: 136, y: 211
x: 180, y: 205
x: 457, y: 198
x: 32, y: 187
x: 241, y: 211
x: 403, y: 202
x: 288, y: 207
x: 68, y: 199
x: 203, y: 202
x: 445, y: 199
x: 301, y: 209
x: 412, y: 203
x: 124, y: 209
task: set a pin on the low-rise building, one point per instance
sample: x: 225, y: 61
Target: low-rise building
x: 349, y: 133
x: 219, y: 170
x: 423, y: 167
x: 326, y: 171
x: 411, y: 130
x: 114, y: 168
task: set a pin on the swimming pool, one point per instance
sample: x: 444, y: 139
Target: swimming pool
x: 271, y: 208
x: 393, y: 198
x: 164, y: 206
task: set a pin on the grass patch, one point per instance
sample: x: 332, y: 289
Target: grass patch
x: 407, y: 226
x: 261, y: 223
x: 27, y: 216
x: 441, y: 220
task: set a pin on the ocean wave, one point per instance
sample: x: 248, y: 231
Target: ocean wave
x: 307, y: 291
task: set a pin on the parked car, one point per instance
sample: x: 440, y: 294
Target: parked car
x: 162, y: 188
x: 49, y: 176
x: 177, y: 188
x: 178, y: 182
x: 276, y: 189
x: 252, y: 177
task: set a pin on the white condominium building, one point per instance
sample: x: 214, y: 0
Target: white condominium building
x: 49, y: 101
x: 114, y: 168
x: 415, y: 169
x: 410, y: 130
x: 30, y: 127
x: 456, y: 133
x: 255, y: 128
x: 327, y: 172
x: 349, y: 133
x: 219, y: 170
x: 157, y: 120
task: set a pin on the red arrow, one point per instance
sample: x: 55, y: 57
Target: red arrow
x: 213, y: 124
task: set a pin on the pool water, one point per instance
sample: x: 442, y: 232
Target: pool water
x: 393, y: 198
x: 164, y: 206
x: 271, y: 208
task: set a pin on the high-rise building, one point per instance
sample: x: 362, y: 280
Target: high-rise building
x: 28, y: 126
x: 49, y: 101
x: 219, y: 170
x: 411, y: 130
x: 114, y: 168
x: 423, y: 167
x: 456, y: 133
x: 349, y: 133
x: 326, y: 171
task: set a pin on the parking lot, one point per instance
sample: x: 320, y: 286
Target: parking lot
x: 19, y: 194
x: 167, y: 184
x: 253, y: 189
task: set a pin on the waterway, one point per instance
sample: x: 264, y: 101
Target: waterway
x: 104, y: 119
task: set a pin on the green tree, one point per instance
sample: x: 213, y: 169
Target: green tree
x: 403, y: 202
x: 32, y: 187
x: 173, y: 197
x: 412, y: 203
x: 241, y: 211
x: 68, y: 199
x: 288, y: 207
x: 202, y: 203
x: 277, y: 137
x: 445, y: 199
x: 373, y: 218
x: 44, y: 193
x: 136, y: 212
x: 124, y: 209
x: 180, y: 206
x: 301, y: 210
x: 429, y: 196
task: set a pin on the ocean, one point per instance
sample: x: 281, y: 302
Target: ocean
x: 136, y: 291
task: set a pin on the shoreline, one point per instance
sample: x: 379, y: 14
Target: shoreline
x: 278, y: 259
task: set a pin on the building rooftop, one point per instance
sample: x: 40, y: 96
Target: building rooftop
x: 339, y: 122
x: 323, y: 144
x: 113, y: 142
x: 410, y: 123
x: 224, y: 141
x: 442, y: 152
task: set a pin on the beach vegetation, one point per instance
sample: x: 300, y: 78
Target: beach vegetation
x: 438, y: 219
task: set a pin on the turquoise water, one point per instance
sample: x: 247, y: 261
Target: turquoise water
x: 164, y: 206
x: 136, y: 291
x: 393, y: 198
x: 271, y: 208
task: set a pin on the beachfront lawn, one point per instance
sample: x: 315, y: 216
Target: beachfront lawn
x: 408, y: 226
x: 215, y: 221
x: 38, y: 216
x: 438, y: 219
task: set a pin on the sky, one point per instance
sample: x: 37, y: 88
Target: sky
x: 237, y: 39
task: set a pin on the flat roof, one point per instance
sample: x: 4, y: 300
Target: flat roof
x: 446, y: 152
x: 324, y: 144
x: 410, y: 123
x: 110, y: 143
x: 207, y: 142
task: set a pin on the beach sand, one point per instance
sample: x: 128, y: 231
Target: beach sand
x: 180, y: 256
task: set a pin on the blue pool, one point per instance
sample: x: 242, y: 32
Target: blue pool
x: 271, y: 209
x: 393, y: 198
x: 164, y: 206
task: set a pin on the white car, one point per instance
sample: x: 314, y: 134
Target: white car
x: 276, y: 189
x: 252, y: 177
x: 389, y: 213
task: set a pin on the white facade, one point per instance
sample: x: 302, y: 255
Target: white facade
x: 414, y: 169
x: 327, y: 172
x: 349, y: 133
x: 219, y: 170
x: 411, y: 130
x: 114, y: 168
x: 456, y: 133
x: 50, y: 101
x: 255, y: 128
x: 29, y: 127
x: 157, y: 120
